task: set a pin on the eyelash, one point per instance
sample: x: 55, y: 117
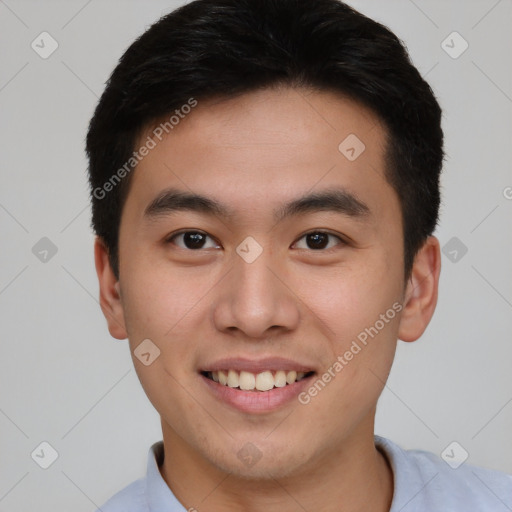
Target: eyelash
x: 341, y: 241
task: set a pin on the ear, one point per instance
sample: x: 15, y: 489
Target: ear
x: 110, y: 300
x: 421, y: 292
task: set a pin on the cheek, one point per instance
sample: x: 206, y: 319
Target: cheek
x: 352, y: 296
x: 162, y: 308
x: 158, y: 298
x: 360, y: 305
x: 168, y: 307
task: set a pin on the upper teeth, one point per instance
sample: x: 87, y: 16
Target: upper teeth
x: 262, y: 381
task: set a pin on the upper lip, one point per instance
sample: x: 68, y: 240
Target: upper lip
x: 256, y: 365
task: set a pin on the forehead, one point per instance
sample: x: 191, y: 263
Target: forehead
x: 279, y: 118
x: 267, y: 147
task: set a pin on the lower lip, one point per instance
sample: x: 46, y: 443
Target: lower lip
x: 257, y: 401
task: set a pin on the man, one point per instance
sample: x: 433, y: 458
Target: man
x: 265, y: 185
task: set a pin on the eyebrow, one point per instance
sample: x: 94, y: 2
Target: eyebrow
x: 337, y: 200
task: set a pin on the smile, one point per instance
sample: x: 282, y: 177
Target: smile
x: 256, y: 386
x: 262, y: 381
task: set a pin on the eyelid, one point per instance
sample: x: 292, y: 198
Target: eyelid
x: 169, y: 239
x: 342, y: 240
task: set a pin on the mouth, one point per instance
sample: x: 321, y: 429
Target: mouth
x: 256, y: 382
x: 256, y: 386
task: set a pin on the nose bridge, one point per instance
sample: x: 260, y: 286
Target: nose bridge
x: 253, y: 298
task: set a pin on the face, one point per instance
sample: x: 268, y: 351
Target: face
x: 292, y: 261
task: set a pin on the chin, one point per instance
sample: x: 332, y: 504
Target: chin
x: 250, y: 463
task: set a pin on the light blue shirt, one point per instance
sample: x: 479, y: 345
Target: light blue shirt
x: 423, y: 482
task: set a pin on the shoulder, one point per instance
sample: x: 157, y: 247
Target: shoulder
x: 424, y: 481
x: 484, y: 489
x: 147, y: 494
x: 130, y: 499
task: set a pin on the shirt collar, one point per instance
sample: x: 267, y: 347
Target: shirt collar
x: 408, y: 480
x: 160, y: 498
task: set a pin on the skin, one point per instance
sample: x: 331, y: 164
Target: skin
x: 254, y: 153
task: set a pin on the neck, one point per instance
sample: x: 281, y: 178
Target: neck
x: 354, y: 477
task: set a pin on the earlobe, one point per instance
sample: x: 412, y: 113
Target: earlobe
x: 421, y: 292
x: 110, y: 300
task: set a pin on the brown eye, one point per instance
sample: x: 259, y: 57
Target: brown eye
x: 317, y: 240
x: 192, y: 240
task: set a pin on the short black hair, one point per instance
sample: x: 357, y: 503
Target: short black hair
x: 225, y: 48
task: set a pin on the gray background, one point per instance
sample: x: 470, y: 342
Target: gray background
x: 65, y: 381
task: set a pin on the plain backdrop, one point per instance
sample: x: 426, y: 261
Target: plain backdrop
x: 65, y: 381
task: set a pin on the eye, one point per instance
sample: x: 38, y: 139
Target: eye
x: 192, y: 240
x: 318, y: 240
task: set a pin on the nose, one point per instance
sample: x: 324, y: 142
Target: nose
x: 256, y: 299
